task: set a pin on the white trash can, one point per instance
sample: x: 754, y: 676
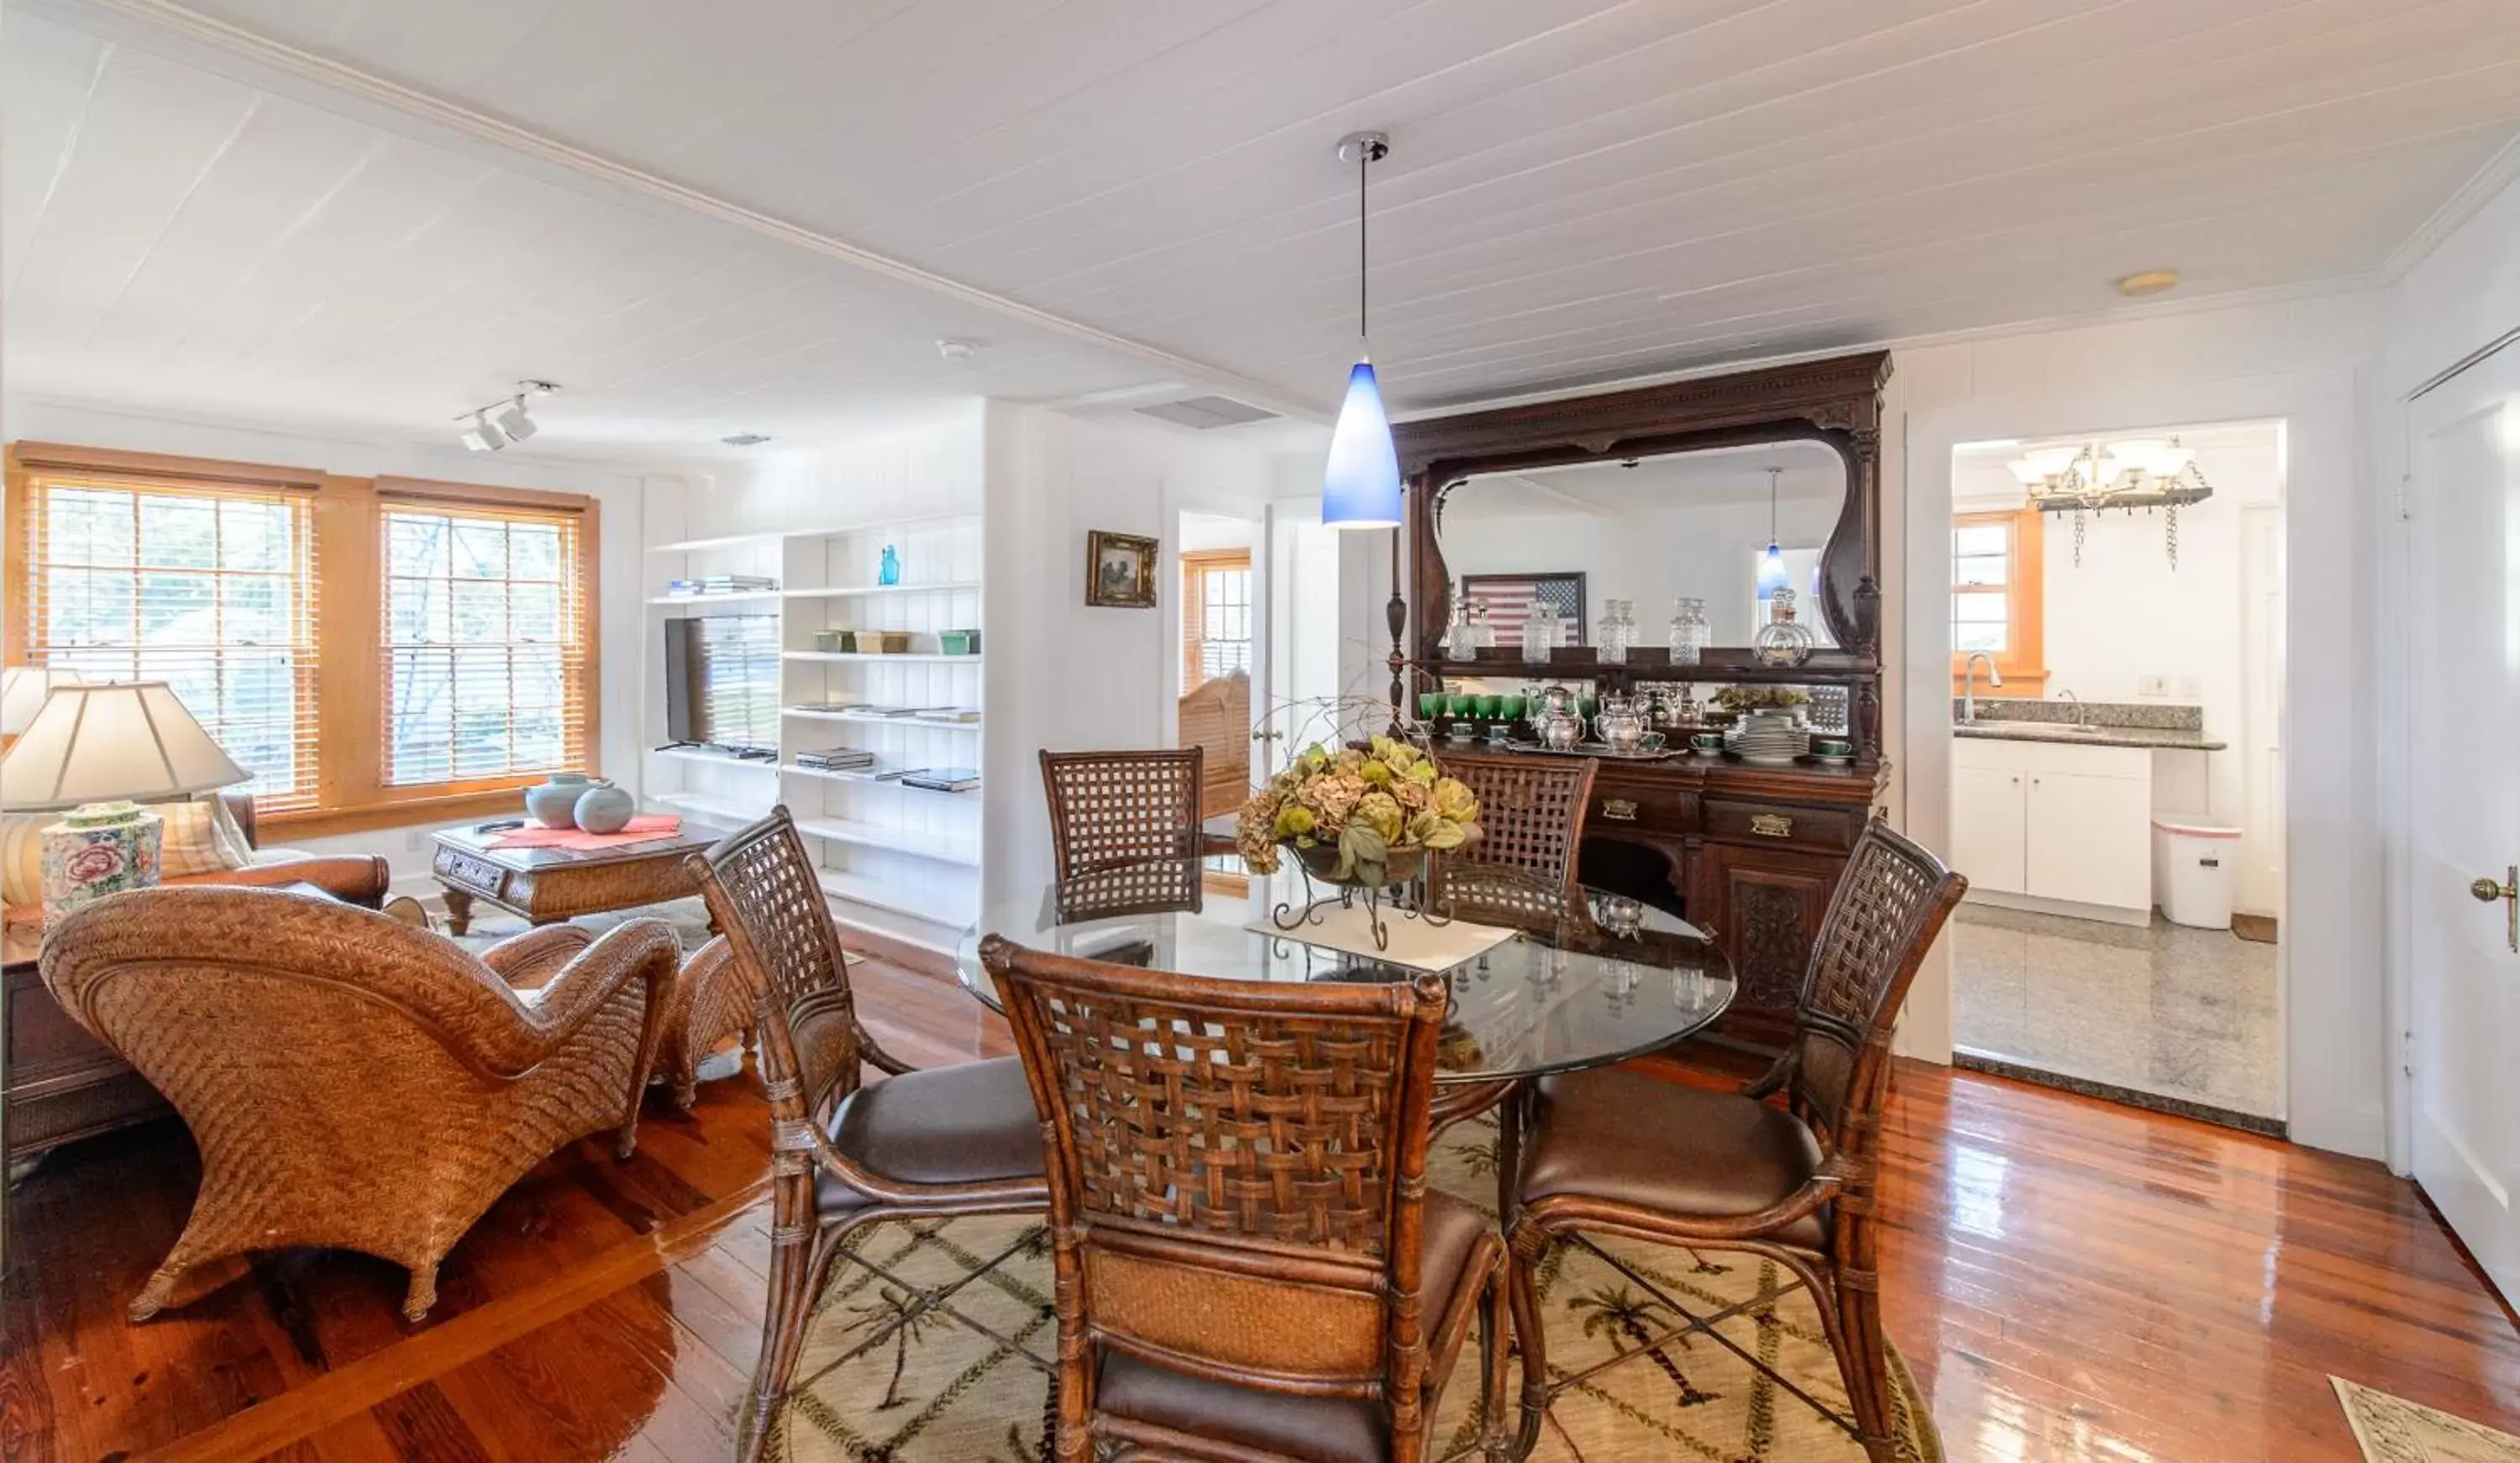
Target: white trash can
x: 2195, y: 861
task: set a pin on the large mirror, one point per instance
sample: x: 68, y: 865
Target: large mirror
x: 1646, y: 532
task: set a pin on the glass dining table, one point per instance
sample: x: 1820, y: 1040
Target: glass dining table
x: 1541, y: 979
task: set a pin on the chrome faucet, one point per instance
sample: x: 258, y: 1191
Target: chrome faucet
x: 1968, y: 684
x: 2081, y: 722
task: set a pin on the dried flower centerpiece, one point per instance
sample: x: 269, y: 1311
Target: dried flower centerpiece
x: 1358, y: 817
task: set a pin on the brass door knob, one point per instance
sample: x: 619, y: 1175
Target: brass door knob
x: 2508, y: 891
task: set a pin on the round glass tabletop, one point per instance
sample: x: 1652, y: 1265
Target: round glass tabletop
x: 1540, y: 981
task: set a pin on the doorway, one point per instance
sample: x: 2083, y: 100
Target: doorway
x: 1219, y: 648
x: 2117, y: 631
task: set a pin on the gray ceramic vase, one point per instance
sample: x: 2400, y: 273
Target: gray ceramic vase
x: 553, y: 803
x: 604, y: 808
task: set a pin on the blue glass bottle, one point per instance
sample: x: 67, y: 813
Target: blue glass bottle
x: 890, y: 573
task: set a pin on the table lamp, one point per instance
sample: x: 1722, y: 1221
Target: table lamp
x: 96, y: 750
x: 22, y: 689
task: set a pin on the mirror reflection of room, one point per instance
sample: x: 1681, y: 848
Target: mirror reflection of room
x: 1648, y: 531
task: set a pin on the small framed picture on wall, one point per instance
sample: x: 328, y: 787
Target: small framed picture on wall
x: 1120, y: 571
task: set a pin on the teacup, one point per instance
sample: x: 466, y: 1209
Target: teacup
x: 1706, y: 741
x: 1652, y: 742
x: 1831, y: 746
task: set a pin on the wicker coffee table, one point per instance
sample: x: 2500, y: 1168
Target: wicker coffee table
x: 547, y: 885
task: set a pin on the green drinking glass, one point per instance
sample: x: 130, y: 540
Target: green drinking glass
x: 1430, y: 705
x: 1588, y: 707
x: 1457, y: 703
x: 1488, y: 707
x: 1514, y: 706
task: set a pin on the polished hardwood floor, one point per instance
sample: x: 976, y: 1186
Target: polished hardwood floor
x: 2066, y: 1278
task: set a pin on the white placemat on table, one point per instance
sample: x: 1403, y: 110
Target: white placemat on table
x: 1415, y: 943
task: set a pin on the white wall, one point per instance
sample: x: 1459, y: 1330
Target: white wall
x: 617, y: 489
x: 2125, y: 614
x: 1062, y: 675
x: 2314, y: 363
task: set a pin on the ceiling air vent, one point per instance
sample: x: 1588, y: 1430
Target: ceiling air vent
x: 744, y: 439
x: 1207, y: 413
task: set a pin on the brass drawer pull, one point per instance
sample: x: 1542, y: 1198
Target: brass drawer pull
x: 1618, y: 810
x: 1771, y: 825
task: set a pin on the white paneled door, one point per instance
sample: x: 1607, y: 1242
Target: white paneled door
x: 2464, y: 819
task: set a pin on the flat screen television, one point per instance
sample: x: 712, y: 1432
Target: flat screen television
x: 722, y: 681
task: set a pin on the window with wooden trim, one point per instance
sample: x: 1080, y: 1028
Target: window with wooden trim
x: 484, y: 642
x: 456, y: 646
x: 208, y: 587
x: 1216, y: 615
x: 1997, y: 592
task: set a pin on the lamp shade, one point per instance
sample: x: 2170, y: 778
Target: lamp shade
x: 98, y: 743
x: 1361, y: 486
x: 22, y: 689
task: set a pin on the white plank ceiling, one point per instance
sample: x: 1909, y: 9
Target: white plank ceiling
x: 1580, y: 189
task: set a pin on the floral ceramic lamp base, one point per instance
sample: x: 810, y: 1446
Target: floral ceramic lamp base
x: 96, y: 850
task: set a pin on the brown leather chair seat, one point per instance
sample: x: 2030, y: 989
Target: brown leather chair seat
x: 1315, y: 1428
x: 964, y: 1124
x: 1671, y: 1149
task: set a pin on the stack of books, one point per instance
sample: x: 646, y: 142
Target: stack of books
x: 943, y: 779
x: 837, y: 760
x: 722, y: 584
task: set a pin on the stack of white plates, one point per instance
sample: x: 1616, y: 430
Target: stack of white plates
x: 1768, y: 739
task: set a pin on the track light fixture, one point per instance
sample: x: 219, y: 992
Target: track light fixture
x: 490, y: 428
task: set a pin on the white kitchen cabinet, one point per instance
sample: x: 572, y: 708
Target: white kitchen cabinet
x: 1989, y: 811
x: 2050, y: 825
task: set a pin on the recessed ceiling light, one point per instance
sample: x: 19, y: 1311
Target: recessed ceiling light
x: 744, y: 439
x: 956, y: 350
x: 2148, y: 281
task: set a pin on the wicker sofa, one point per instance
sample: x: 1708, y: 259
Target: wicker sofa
x: 353, y: 1082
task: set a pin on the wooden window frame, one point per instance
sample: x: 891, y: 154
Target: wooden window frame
x: 2023, y: 665
x: 350, y: 710
x: 1196, y: 564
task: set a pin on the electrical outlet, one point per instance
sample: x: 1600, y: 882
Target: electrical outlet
x: 2152, y: 686
x: 2190, y: 688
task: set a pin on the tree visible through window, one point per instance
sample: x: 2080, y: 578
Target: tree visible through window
x: 484, y: 644
x: 1216, y: 615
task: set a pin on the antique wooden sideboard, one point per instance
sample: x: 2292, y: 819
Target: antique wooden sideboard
x: 1751, y: 851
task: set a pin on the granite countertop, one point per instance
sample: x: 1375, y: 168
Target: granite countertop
x: 2147, y: 724
x: 2157, y: 738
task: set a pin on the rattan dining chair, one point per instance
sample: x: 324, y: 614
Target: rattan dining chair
x: 918, y: 1146
x: 1135, y: 811
x: 1250, y: 1264
x: 1617, y: 1153
x: 1531, y: 826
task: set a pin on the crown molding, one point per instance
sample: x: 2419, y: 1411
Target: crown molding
x: 254, y: 60
x: 2498, y: 174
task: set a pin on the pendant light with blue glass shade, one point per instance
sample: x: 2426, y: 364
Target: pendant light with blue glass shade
x: 1772, y: 564
x: 1361, y: 482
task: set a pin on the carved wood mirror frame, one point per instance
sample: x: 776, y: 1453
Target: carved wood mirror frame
x: 1834, y: 402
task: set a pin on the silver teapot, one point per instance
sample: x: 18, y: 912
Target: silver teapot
x: 1620, y: 724
x: 1561, y: 725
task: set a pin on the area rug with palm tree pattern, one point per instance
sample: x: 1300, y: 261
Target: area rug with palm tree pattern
x: 875, y: 1389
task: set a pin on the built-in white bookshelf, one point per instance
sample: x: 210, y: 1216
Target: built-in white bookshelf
x: 897, y: 860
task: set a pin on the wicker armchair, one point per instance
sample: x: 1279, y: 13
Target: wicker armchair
x: 353, y: 1082
x: 1531, y: 826
x: 1250, y: 1264
x: 1617, y: 1153
x: 845, y: 1154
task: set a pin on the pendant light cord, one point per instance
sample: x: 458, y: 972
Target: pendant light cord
x: 1364, y: 161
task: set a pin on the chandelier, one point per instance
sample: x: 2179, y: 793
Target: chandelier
x: 2090, y: 477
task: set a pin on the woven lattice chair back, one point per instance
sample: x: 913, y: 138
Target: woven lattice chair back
x: 1168, y: 884
x: 1237, y: 1170
x: 1114, y: 808
x: 1531, y: 822
x: 1890, y: 904
x: 762, y: 891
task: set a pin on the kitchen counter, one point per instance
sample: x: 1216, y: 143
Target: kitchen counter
x: 2154, y: 738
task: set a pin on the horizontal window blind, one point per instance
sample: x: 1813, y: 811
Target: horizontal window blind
x: 485, y: 641
x: 208, y: 587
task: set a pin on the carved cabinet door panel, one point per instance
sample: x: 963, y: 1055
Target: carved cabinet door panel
x: 1766, y: 905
